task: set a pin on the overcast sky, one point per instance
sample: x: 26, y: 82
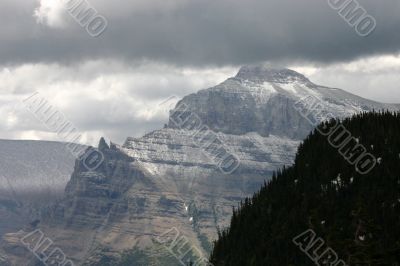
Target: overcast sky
x: 152, y: 50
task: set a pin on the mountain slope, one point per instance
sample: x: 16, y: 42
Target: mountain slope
x: 173, y: 177
x: 356, y: 215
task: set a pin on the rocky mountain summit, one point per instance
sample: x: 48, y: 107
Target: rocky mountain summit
x: 262, y: 100
x: 219, y: 146
x: 262, y: 73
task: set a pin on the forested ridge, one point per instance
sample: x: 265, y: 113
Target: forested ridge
x: 357, y: 215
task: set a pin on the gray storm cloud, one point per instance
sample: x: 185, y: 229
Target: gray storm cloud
x: 195, y: 32
x: 156, y: 49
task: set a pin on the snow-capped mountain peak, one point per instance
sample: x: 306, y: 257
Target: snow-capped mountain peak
x: 263, y: 73
x: 263, y: 99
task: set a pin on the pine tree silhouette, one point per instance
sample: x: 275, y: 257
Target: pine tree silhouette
x: 357, y: 215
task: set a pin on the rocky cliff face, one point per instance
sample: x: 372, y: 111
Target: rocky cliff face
x: 218, y: 147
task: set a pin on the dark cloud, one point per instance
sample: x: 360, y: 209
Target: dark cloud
x: 200, y: 32
x: 115, y: 85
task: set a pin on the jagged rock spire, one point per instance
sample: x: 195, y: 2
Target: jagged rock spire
x: 103, y: 144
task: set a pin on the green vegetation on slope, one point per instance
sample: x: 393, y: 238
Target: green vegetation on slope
x: 357, y: 215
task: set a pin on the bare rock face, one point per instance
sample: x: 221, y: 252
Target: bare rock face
x: 263, y: 100
x: 178, y: 179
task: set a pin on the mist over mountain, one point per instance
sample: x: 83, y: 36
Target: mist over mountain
x: 33, y: 174
x: 35, y: 166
